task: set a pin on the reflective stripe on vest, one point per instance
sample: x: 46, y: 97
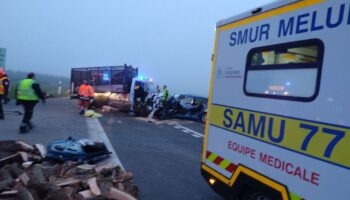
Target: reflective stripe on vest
x: 25, y: 90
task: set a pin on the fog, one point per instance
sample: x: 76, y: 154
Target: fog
x: 169, y: 41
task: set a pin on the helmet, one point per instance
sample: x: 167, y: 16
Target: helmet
x: 30, y: 75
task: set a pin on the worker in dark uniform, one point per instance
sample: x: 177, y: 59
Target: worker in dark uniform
x: 28, y: 94
x: 6, y: 83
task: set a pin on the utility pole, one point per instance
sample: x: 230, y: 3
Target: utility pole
x: 59, y: 91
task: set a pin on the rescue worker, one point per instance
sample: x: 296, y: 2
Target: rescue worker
x: 28, y: 94
x: 155, y: 103
x: 157, y: 91
x: 86, y: 93
x: 2, y: 93
x: 165, y: 95
x: 6, y: 83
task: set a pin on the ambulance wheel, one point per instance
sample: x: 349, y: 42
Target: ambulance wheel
x: 256, y: 193
x: 259, y: 196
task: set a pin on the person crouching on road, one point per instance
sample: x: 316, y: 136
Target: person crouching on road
x: 86, y: 92
x: 28, y: 94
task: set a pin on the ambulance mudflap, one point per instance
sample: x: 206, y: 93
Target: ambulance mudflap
x: 278, y: 119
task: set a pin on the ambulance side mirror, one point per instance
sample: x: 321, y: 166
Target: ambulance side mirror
x: 256, y: 11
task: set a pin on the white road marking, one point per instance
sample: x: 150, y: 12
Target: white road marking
x: 195, y: 135
x: 170, y: 123
x: 189, y: 130
x: 174, y: 124
x: 186, y: 131
x: 154, y: 121
x: 96, y: 132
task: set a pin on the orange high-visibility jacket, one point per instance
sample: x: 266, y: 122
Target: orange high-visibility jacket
x: 2, y: 88
x: 86, y: 91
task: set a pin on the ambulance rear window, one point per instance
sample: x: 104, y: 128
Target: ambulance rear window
x: 289, y: 71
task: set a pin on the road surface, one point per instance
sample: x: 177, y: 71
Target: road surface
x: 164, y: 156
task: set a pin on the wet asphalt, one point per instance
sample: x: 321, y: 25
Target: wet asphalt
x: 164, y: 158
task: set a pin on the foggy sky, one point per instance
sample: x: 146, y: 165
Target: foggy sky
x: 169, y: 41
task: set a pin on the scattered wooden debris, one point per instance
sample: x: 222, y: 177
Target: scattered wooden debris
x: 109, y: 109
x: 94, y: 187
x: 105, y: 167
x: 8, y: 194
x: 25, y: 174
x: 24, y: 178
x: 115, y: 193
x: 41, y: 149
x: 27, y: 164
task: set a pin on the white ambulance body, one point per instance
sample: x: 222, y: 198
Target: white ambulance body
x: 279, y: 103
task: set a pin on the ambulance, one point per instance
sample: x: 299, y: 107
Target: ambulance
x: 278, y: 124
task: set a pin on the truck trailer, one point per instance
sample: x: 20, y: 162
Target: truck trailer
x: 117, y: 86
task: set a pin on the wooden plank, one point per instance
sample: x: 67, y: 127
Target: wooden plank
x: 41, y: 149
x: 116, y: 194
x: 25, y: 147
x: 83, y: 195
x: 107, y: 166
x: 24, y: 178
x: 94, y: 187
x: 10, y: 159
x: 8, y: 194
x: 67, y: 181
x: 27, y: 164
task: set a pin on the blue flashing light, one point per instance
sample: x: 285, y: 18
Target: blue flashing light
x: 144, y: 78
x: 105, y: 77
x: 288, y: 83
x: 141, y: 78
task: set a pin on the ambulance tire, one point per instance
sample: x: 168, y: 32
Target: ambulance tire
x: 261, y: 192
x: 249, y: 188
x: 258, y: 196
